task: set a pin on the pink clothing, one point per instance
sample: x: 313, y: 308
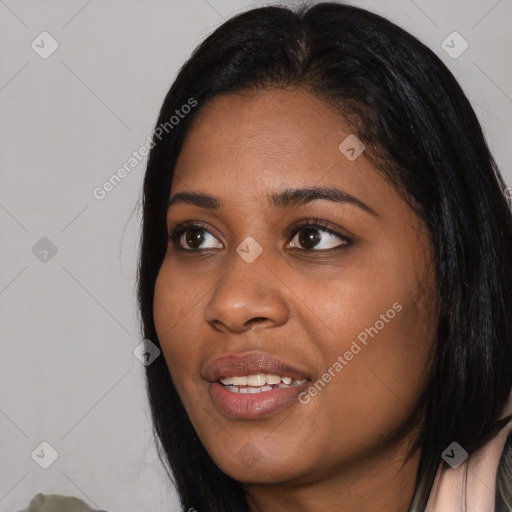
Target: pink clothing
x: 471, y: 487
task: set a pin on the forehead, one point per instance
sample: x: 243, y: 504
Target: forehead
x: 282, y: 125
x: 253, y: 143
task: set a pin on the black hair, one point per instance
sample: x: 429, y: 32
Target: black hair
x: 419, y: 128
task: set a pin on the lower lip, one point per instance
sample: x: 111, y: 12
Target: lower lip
x: 250, y: 406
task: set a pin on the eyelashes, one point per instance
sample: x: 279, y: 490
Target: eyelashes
x: 341, y: 238
x: 177, y: 233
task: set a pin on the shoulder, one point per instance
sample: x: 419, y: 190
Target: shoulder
x: 504, y: 478
x: 487, y: 469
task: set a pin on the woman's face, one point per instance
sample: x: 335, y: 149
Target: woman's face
x: 347, y: 305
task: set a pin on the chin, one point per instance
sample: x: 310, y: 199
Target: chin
x: 250, y: 468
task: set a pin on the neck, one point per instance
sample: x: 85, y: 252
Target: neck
x: 384, y: 483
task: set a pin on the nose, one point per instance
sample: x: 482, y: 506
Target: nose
x: 247, y: 294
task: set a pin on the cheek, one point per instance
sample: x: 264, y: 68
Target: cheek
x: 374, y: 392
x: 385, y: 333
x: 175, y: 302
x: 164, y: 304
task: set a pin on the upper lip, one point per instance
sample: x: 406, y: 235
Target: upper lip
x: 237, y: 365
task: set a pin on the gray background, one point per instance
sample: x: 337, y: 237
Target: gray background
x: 69, y: 325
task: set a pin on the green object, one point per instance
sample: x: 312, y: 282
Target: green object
x: 57, y: 503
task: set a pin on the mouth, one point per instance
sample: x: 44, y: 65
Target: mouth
x: 259, y: 383
x: 252, y: 365
x: 254, y: 385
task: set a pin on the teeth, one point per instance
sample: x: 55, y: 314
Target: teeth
x: 239, y: 381
x: 259, y: 383
x: 258, y: 379
x: 255, y: 390
x: 272, y: 379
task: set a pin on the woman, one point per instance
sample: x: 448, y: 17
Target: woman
x: 325, y: 265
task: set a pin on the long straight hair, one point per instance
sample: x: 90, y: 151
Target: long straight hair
x: 423, y: 135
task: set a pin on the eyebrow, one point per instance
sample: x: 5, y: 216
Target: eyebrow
x: 283, y: 199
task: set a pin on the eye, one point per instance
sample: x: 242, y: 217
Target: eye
x: 308, y: 237
x: 191, y: 234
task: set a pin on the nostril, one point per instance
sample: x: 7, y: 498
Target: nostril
x: 256, y: 319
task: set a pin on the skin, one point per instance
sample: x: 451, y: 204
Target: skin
x: 341, y: 451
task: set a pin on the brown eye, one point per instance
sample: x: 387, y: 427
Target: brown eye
x: 311, y: 235
x: 194, y: 237
x: 190, y: 237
